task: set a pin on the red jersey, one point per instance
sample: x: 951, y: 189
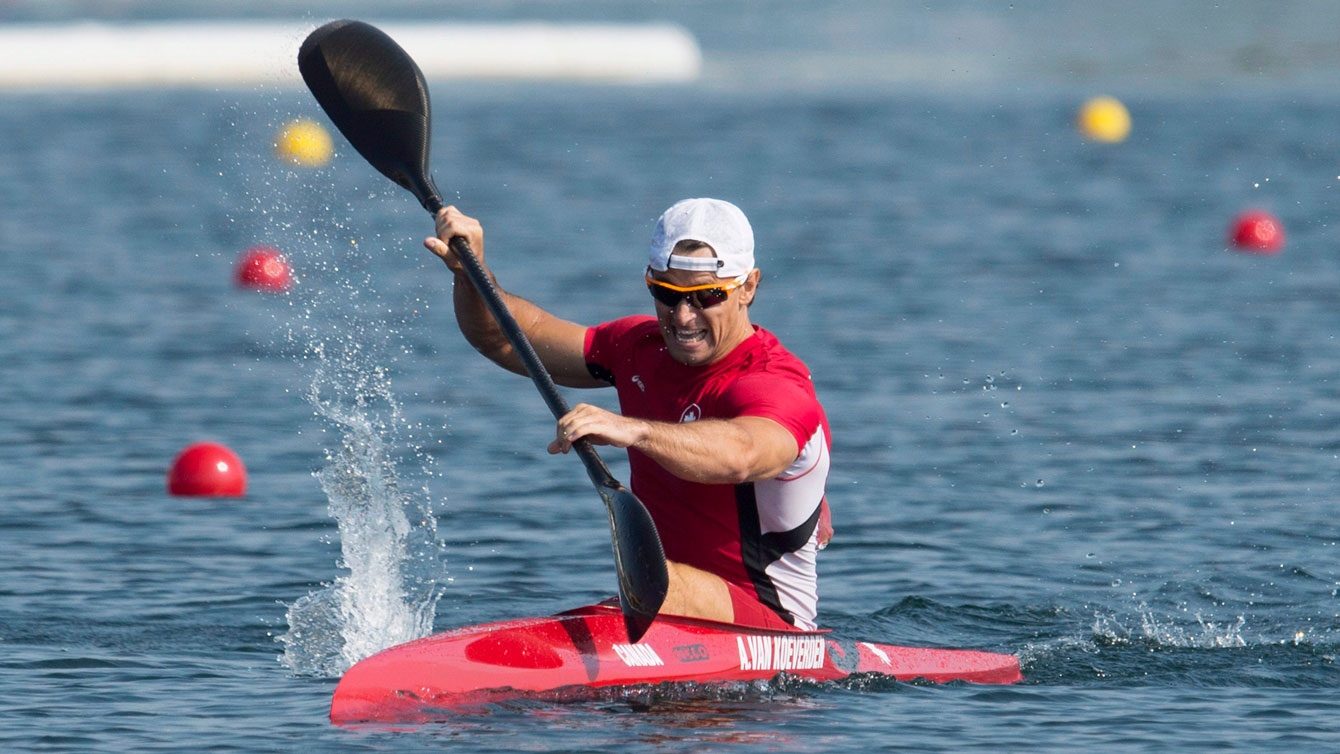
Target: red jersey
x: 761, y: 536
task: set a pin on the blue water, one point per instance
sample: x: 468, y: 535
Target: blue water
x: 1069, y: 423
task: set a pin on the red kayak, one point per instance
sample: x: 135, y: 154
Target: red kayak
x: 588, y: 647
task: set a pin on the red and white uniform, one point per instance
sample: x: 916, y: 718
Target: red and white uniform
x: 759, y: 536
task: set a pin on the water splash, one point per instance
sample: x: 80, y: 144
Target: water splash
x: 1146, y: 631
x: 337, y: 327
x: 1164, y: 633
x: 388, y: 539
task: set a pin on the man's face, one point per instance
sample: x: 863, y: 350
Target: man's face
x: 696, y: 335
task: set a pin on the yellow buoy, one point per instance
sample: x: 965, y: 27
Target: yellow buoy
x: 1104, y: 119
x: 304, y: 142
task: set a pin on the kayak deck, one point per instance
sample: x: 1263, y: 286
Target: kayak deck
x: 589, y: 647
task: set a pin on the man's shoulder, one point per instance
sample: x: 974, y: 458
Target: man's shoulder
x: 769, y: 355
x: 621, y: 340
x: 634, y: 326
x: 775, y: 384
x: 771, y: 371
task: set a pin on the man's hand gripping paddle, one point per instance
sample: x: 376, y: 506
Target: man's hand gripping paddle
x: 376, y: 95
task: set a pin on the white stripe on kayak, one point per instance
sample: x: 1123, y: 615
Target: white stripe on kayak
x: 881, y: 654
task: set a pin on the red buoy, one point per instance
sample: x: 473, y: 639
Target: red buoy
x: 1257, y: 232
x: 207, y: 469
x: 263, y: 268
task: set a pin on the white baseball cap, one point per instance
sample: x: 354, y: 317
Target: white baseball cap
x: 718, y: 224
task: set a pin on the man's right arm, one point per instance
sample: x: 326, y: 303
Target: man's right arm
x: 558, y: 342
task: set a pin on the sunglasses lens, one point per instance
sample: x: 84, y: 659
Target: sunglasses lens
x: 665, y: 295
x: 710, y: 297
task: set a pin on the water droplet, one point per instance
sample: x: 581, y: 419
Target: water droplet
x: 1038, y: 483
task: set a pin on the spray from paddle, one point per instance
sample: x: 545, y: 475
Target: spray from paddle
x: 388, y: 541
x: 335, y: 326
x: 344, y: 337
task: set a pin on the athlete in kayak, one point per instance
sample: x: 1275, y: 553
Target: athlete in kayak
x: 728, y: 445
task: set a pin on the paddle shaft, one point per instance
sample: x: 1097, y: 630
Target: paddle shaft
x: 638, y: 556
x: 595, y: 467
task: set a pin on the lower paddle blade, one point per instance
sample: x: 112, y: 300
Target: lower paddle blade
x: 639, y: 560
x: 376, y: 96
x: 636, y: 625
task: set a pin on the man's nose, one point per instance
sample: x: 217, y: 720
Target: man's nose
x: 684, y: 312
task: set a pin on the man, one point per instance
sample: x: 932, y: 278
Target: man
x: 727, y: 442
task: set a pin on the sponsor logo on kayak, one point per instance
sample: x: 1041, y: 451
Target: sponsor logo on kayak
x: 691, y: 653
x: 780, y: 652
x: 637, y: 655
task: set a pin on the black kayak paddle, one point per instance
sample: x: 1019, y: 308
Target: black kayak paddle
x: 376, y: 95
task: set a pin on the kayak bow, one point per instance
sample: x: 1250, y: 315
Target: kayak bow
x: 589, y: 647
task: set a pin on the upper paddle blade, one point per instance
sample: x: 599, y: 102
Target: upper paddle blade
x: 376, y: 95
x: 639, y: 560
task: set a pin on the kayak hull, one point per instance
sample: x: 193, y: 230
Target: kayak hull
x: 589, y: 647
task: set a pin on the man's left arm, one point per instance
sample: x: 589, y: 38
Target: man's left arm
x: 708, y: 451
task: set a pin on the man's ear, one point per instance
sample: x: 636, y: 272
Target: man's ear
x: 750, y: 287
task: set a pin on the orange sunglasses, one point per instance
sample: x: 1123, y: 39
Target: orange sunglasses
x: 700, y: 296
